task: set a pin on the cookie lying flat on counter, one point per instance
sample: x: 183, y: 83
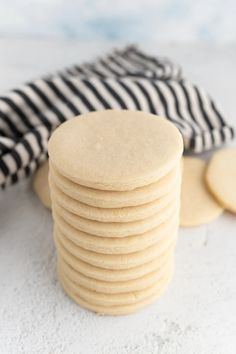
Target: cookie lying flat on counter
x: 41, y: 185
x: 198, y: 206
x: 221, y: 178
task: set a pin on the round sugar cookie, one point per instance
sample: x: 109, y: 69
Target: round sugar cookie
x: 111, y: 310
x: 113, y: 199
x: 197, y: 205
x: 126, y: 214
x: 117, y: 299
x: 117, y: 261
x: 41, y: 186
x: 115, y: 149
x: 112, y: 275
x: 221, y: 178
x: 109, y: 229
x: 115, y: 287
x: 116, y: 245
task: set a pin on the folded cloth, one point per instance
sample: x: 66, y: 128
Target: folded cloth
x: 124, y: 79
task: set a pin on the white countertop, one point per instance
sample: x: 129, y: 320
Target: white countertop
x: 198, y: 312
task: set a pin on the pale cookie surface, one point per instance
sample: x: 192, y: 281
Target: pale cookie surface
x: 113, y: 275
x: 198, y: 206
x: 125, y: 214
x: 221, y: 178
x: 118, y: 299
x: 113, y: 199
x: 111, y: 310
x: 117, y: 261
x: 109, y: 229
x: 115, y: 287
x: 41, y: 186
x: 116, y: 245
x: 115, y: 150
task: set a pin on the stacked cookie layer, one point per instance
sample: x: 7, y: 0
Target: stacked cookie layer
x: 115, y: 189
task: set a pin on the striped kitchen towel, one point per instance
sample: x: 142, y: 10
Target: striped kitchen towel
x: 124, y: 79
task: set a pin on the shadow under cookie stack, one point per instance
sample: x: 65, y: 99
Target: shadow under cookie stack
x: 115, y: 188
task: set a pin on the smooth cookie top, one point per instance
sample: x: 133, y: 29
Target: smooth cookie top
x: 115, y: 149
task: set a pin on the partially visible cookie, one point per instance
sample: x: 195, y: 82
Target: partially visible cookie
x: 125, y: 214
x: 116, y: 261
x: 116, y: 245
x: 115, y: 199
x: 221, y: 178
x: 71, y: 290
x: 41, y: 185
x: 113, y: 275
x: 118, y: 299
x: 116, y: 229
x: 116, y: 287
x: 198, y: 206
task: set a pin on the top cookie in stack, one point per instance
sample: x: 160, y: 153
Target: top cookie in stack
x: 115, y: 187
x: 115, y: 150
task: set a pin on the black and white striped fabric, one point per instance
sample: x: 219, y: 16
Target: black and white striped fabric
x: 124, y: 79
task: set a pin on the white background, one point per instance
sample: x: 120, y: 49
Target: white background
x: 133, y: 20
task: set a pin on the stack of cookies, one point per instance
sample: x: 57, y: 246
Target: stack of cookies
x: 115, y: 187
